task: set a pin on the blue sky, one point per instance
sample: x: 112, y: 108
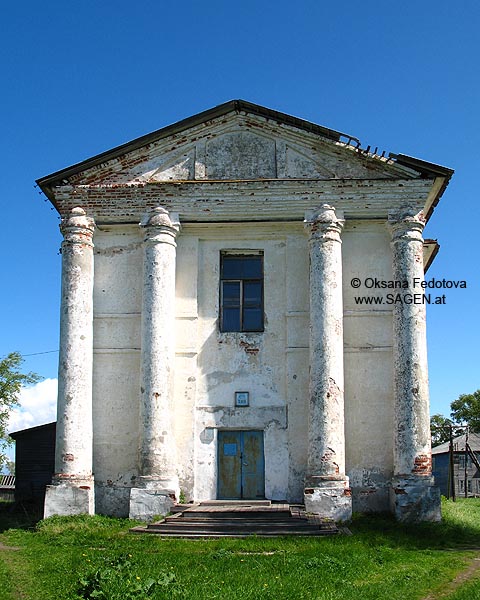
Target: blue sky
x: 81, y: 78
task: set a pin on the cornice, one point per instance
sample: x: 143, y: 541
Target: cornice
x: 258, y: 200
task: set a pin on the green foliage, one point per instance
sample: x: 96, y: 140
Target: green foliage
x: 116, y: 579
x: 11, y: 382
x: 440, y: 429
x: 466, y: 408
x: 10, y: 467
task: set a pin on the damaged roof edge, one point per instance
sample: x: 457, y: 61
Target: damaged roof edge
x: 426, y: 169
x: 198, y: 119
x: 430, y: 251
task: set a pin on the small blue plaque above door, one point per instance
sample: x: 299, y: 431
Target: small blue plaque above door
x: 242, y: 398
x: 229, y: 449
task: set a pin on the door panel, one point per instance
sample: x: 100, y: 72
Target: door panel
x: 241, y: 467
x: 229, y: 465
x: 253, y: 477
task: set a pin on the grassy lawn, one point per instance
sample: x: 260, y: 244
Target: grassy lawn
x: 95, y: 557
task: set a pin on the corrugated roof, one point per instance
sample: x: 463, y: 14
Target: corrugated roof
x: 459, y: 444
x: 7, y: 482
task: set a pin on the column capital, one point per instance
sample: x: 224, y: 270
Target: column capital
x: 324, y: 224
x: 406, y: 223
x: 77, y: 228
x: 160, y: 226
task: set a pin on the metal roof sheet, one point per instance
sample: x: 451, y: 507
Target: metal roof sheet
x: 459, y: 444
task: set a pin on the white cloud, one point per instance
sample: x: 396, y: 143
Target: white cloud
x: 38, y: 405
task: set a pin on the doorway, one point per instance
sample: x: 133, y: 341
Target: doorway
x: 241, y: 465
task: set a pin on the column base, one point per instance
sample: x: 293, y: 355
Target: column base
x: 155, y: 497
x: 415, y: 499
x: 146, y: 504
x: 69, y: 498
x: 329, y: 498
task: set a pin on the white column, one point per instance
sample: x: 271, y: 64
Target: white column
x: 327, y: 490
x: 72, y: 490
x: 413, y: 496
x: 158, y: 481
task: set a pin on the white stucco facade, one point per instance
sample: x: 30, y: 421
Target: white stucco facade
x: 329, y: 380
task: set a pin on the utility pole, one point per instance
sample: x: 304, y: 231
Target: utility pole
x: 451, y: 479
x: 466, y: 459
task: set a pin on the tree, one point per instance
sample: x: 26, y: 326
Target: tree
x: 440, y: 429
x: 11, y: 382
x: 466, y: 409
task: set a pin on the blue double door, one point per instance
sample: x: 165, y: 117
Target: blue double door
x: 241, y: 465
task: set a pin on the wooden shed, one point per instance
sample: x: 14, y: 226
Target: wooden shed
x: 34, y: 462
x: 466, y: 473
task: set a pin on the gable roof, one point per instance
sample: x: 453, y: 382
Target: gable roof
x: 425, y: 169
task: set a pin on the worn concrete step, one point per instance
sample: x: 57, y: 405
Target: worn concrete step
x: 229, y: 525
x: 234, y: 521
x: 235, y: 503
x: 229, y: 514
x: 201, y: 534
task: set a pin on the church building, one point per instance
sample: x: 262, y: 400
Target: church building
x: 243, y: 318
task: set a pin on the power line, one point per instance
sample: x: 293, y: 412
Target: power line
x: 38, y: 353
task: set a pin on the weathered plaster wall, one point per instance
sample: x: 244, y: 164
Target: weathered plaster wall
x: 253, y: 362
x: 210, y: 366
x: 368, y: 367
x: 187, y: 346
x: 117, y: 304
x: 297, y: 359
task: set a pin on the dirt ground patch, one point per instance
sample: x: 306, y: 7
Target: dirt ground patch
x: 7, y: 548
x: 470, y: 572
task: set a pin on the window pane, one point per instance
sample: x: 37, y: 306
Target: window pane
x: 232, y: 267
x: 231, y: 293
x: 231, y: 319
x: 252, y: 319
x: 252, y: 294
x: 242, y: 267
x: 252, y: 268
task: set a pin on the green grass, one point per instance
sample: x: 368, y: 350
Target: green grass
x: 73, y: 558
x: 468, y: 591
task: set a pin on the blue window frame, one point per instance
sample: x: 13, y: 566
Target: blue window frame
x: 241, y: 292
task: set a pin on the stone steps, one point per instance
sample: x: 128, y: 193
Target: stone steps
x: 237, y: 520
x: 208, y: 516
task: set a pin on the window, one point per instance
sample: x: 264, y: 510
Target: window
x: 241, y: 292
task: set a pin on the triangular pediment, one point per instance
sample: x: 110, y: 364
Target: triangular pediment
x: 235, y: 141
